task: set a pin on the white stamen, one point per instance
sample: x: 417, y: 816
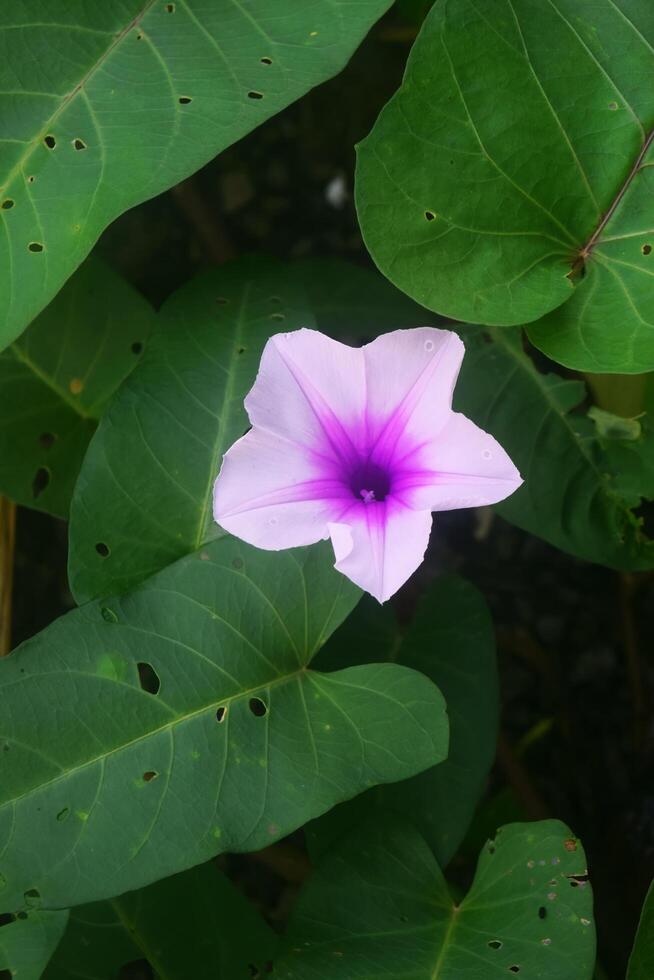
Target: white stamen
x: 368, y: 496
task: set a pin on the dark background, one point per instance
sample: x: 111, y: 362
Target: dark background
x: 577, y: 735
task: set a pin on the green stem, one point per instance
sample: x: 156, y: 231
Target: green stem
x: 620, y: 394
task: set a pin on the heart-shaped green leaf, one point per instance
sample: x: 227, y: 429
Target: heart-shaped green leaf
x: 379, y: 907
x: 142, y: 735
x: 118, y: 101
x: 195, y: 924
x: 510, y: 178
x: 579, y: 488
x: 641, y: 961
x: 28, y: 941
x: 56, y: 379
x: 451, y: 640
x: 159, y: 446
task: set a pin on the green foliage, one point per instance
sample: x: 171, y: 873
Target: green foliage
x: 355, y: 304
x: 451, y: 641
x: 27, y: 943
x: 580, y: 488
x: 159, y: 446
x: 413, y: 11
x: 57, y: 378
x: 583, y: 480
x: 208, y: 697
x: 125, y: 100
x: 509, y: 180
x: 611, y: 426
x: 641, y: 961
x: 380, y: 906
x: 187, y: 724
x: 195, y: 924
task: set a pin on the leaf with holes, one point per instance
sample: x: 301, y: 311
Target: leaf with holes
x: 27, y: 941
x: 451, y: 640
x: 580, y: 489
x: 195, y: 924
x: 142, y: 735
x: 641, y: 961
x: 158, y: 448
x: 57, y: 378
x: 121, y: 101
x: 380, y: 906
x: 510, y: 179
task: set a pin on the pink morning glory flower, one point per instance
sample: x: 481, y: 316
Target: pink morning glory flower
x: 359, y: 445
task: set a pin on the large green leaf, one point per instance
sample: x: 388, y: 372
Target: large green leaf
x: 56, y: 379
x: 641, y: 961
x: 195, y: 924
x: 144, y: 492
x: 356, y: 304
x: 379, y: 907
x: 510, y: 178
x: 104, y: 105
x: 580, y: 488
x: 451, y: 640
x: 144, y: 734
x: 28, y: 941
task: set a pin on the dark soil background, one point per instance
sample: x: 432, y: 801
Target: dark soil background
x: 575, y: 656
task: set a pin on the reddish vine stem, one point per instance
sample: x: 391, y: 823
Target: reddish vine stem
x: 587, y: 249
x: 7, y: 541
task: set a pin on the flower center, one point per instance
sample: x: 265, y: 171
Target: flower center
x: 370, y: 483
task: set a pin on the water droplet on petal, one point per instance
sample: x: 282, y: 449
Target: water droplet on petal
x: 487, y: 454
x: 273, y: 521
x: 429, y: 345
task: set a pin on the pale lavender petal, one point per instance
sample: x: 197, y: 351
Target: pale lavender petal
x: 311, y: 390
x: 360, y: 444
x: 462, y: 467
x: 378, y: 546
x: 274, y: 494
x: 410, y: 378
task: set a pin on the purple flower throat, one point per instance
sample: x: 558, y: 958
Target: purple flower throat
x: 358, y: 444
x: 375, y: 462
x: 370, y: 482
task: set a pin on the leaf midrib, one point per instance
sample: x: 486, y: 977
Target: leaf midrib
x: 436, y: 973
x: 594, y: 240
x: 130, y: 927
x: 65, y: 102
x: 178, y: 720
x: 61, y: 393
x: 228, y: 394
